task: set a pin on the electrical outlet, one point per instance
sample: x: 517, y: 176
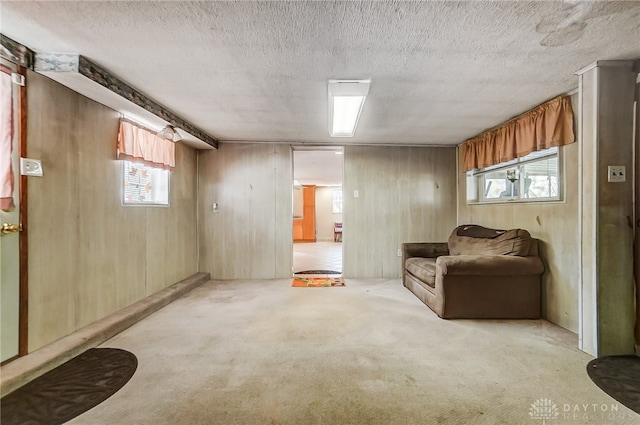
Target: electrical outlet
x: 356, y: 193
x: 399, y: 252
x: 30, y: 167
x: 616, y: 173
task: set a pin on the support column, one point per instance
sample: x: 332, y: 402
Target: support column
x: 607, y: 307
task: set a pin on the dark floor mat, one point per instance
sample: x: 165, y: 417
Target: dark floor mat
x: 70, y: 389
x: 618, y: 376
x: 318, y: 272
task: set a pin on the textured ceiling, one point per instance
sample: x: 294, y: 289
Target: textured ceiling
x: 257, y: 71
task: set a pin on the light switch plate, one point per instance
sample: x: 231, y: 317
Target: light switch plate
x: 616, y: 173
x: 30, y: 167
x: 17, y: 79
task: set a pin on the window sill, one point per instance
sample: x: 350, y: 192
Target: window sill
x: 517, y: 201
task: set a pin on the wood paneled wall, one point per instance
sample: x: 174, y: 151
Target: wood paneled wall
x: 250, y: 237
x: 88, y: 255
x: 405, y: 194
x: 555, y: 224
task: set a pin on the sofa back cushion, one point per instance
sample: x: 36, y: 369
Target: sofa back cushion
x: 477, y: 240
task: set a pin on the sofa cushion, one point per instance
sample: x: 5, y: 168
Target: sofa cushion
x: 510, y: 242
x: 423, y: 268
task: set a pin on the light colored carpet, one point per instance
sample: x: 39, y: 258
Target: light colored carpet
x: 262, y: 352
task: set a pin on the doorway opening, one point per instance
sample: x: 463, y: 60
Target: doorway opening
x: 317, y: 210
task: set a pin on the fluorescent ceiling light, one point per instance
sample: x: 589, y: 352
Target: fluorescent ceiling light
x: 346, y: 99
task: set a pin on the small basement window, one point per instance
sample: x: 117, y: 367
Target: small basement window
x: 144, y: 185
x: 533, y: 178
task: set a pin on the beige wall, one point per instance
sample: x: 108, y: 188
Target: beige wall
x: 325, y: 217
x: 607, y: 130
x: 555, y: 224
x: 406, y: 194
x: 251, y: 237
x: 88, y: 255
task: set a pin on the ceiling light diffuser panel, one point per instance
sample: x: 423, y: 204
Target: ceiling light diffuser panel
x: 346, y: 99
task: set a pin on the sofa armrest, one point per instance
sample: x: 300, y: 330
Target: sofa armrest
x: 424, y: 250
x: 498, y: 265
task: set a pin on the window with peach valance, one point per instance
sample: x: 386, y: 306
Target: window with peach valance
x: 139, y: 144
x: 547, y: 125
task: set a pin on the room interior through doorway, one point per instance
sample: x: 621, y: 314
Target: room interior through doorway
x: 317, y: 198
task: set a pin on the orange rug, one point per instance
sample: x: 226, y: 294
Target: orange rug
x: 317, y: 282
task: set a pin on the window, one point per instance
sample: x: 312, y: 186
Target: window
x: 144, y: 185
x: 535, y: 177
x: 337, y: 201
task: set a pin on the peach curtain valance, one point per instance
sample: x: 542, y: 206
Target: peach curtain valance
x: 547, y: 125
x: 139, y: 144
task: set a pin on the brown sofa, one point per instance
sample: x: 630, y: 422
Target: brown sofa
x: 479, y: 273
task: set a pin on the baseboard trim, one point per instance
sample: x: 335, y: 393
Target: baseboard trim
x: 25, y: 369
